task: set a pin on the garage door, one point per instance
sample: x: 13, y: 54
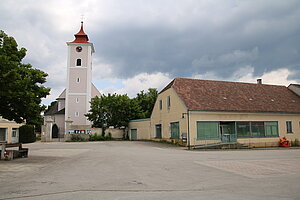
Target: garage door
x: 133, y: 134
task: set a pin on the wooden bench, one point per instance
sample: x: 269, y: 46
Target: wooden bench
x: 20, y: 153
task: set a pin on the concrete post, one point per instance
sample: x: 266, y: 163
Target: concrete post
x: 68, y: 127
x: 48, y: 130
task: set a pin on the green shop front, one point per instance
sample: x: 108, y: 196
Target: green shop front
x: 230, y: 131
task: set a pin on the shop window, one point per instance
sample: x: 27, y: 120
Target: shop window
x: 207, y: 130
x: 257, y: 129
x: 271, y: 129
x: 243, y: 129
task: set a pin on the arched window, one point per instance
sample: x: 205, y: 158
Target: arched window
x: 78, y: 62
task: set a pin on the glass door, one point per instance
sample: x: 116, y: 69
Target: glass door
x: 227, y: 130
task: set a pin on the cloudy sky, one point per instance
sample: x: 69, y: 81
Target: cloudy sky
x: 141, y: 44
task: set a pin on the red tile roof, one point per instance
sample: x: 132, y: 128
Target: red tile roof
x: 206, y: 95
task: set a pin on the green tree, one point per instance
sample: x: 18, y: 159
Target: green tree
x: 147, y: 101
x: 113, y: 110
x: 20, y: 84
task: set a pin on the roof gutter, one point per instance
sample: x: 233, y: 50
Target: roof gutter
x: 234, y: 111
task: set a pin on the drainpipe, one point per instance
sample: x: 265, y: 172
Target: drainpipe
x: 189, y: 142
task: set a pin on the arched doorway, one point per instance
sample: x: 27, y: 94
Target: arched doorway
x: 55, y: 131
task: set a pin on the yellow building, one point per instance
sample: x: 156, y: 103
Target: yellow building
x: 202, y: 112
x: 9, y: 131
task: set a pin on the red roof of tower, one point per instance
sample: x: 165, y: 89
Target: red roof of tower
x: 81, y: 37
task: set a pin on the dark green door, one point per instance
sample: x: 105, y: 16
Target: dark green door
x: 158, y: 130
x: 133, y: 134
x: 175, y: 130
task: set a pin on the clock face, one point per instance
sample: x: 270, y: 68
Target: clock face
x: 79, y: 49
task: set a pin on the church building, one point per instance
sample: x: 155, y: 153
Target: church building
x: 67, y: 115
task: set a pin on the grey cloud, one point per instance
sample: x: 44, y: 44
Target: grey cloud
x: 180, y: 38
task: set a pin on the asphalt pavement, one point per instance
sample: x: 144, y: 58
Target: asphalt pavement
x: 147, y: 170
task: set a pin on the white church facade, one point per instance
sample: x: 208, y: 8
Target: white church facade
x: 67, y: 115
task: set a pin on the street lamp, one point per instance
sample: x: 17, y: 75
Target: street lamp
x: 188, y: 133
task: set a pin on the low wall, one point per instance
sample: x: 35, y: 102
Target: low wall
x: 115, y: 133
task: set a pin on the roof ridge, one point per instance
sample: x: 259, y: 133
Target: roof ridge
x: 225, y: 81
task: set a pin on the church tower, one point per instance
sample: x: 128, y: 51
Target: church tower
x: 79, y: 78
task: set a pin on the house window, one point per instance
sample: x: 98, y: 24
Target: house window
x: 78, y: 62
x: 78, y: 80
x: 207, y: 130
x: 160, y: 104
x: 169, y: 102
x: 158, y: 131
x: 175, y: 130
x: 14, y: 132
x: 289, y: 128
x: 3, y: 132
x: 76, y: 114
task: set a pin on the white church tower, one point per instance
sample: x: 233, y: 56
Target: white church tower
x: 79, y: 79
x: 67, y: 115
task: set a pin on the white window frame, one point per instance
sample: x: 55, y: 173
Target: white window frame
x: 77, y: 62
x: 14, y: 132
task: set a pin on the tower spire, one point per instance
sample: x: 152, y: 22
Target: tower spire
x: 81, y: 36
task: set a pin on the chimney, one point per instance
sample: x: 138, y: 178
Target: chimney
x: 259, y: 81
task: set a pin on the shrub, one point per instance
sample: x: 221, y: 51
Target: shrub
x: 109, y: 137
x: 97, y: 137
x: 77, y: 138
x: 26, y: 134
x: 295, y: 143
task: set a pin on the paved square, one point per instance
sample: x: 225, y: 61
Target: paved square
x: 146, y: 170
